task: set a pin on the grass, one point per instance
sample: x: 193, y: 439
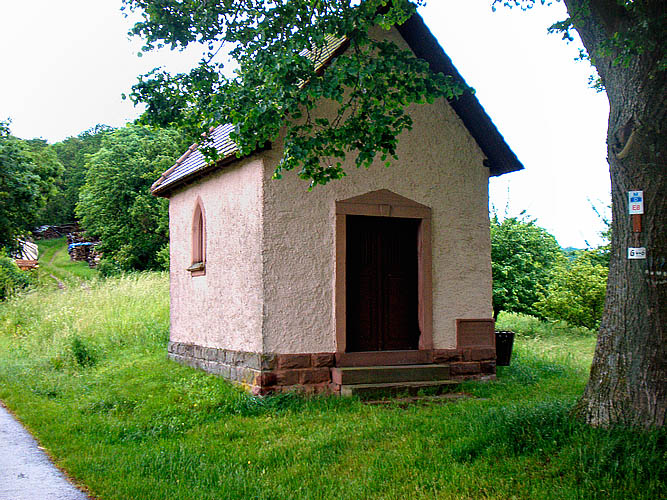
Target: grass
x: 86, y: 371
x: 54, y: 260
x: 530, y: 326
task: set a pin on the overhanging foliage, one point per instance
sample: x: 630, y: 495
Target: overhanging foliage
x: 279, y: 80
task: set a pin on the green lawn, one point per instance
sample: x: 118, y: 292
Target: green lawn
x: 54, y: 261
x: 86, y: 371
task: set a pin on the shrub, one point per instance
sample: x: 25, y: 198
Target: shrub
x: 163, y: 257
x: 522, y: 256
x: 115, y: 203
x: 575, y: 292
x: 12, y: 279
x: 83, y: 354
x: 107, y: 267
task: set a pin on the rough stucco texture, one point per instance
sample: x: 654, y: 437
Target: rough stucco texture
x: 223, y: 307
x: 440, y: 165
x: 269, y: 283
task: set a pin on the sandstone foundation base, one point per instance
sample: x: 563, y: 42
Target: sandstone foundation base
x: 315, y: 373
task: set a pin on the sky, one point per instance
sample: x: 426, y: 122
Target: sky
x: 65, y: 65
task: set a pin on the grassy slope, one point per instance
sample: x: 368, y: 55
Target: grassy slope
x: 54, y: 260
x: 85, y: 369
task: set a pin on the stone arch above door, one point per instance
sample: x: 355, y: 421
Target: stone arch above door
x: 384, y: 203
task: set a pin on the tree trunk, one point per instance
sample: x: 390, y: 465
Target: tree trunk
x: 628, y: 379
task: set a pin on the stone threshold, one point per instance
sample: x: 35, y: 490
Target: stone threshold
x: 311, y: 373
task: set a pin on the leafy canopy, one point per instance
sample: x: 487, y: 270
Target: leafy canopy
x: 277, y: 84
x: 12, y: 279
x: 72, y: 153
x: 522, y: 257
x: 27, y: 174
x: 576, y: 291
x: 115, y: 204
x: 49, y: 167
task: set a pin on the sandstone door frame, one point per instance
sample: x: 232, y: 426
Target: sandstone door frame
x: 384, y: 203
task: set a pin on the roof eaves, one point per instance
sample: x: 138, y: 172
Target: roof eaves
x: 165, y: 190
x: 167, y: 172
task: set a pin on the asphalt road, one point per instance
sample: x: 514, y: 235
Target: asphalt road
x: 26, y: 473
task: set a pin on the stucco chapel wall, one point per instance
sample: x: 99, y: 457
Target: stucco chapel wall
x: 223, y: 308
x: 440, y: 165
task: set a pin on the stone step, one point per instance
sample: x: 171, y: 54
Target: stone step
x: 367, y: 391
x: 389, y: 374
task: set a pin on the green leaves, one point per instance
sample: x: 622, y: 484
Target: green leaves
x: 28, y: 170
x: 12, y: 279
x: 531, y: 275
x: 72, y: 153
x: 576, y: 292
x: 522, y: 257
x: 115, y: 204
x: 282, y: 47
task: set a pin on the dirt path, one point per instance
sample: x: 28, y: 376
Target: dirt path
x: 61, y: 285
x: 54, y: 256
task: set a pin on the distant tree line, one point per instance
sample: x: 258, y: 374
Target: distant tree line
x: 101, y: 179
x: 28, y: 173
x: 73, y: 153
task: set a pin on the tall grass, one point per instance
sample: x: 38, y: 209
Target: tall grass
x: 530, y: 326
x: 546, y: 348
x: 49, y: 327
x: 86, y: 371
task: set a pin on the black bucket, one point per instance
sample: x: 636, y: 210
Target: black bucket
x: 504, y: 343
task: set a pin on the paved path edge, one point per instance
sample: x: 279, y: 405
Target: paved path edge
x: 34, y: 455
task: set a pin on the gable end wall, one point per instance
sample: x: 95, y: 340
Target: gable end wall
x: 441, y: 166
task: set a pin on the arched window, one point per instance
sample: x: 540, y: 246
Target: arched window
x: 198, y: 264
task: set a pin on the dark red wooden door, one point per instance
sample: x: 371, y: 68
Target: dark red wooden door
x: 381, y: 284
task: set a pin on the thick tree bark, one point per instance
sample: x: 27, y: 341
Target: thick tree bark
x: 628, y: 380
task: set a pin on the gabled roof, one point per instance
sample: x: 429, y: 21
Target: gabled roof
x: 193, y: 161
x: 500, y: 158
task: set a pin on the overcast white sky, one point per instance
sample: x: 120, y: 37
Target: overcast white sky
x: 66, y: 63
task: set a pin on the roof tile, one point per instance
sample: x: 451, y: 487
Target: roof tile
x: 501, y: 159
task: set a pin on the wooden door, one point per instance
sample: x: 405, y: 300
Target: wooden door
x: 381, y: 288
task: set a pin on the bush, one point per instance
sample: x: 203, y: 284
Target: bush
x: 12, y: 279
x: 83, y: 354
x: 115, y: 204
x: 108, y: 268
x: 163, y: 258
x: 576, y: 292
x: 522, y: 256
